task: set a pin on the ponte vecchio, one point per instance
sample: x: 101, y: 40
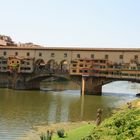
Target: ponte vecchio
x: 24, y: 66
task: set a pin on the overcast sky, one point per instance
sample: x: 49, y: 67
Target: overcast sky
x: 83, y: 23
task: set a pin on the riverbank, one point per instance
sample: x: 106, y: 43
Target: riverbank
x: 123, y: 125
x: 78, y: 130
x: 67, y: 126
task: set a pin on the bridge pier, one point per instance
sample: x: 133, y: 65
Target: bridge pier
x: 33, y: 85
x: 4, y: 80
x: 91, y: 86
x: 17, y: 81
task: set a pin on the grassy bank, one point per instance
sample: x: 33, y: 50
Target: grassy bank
x: 76, y: 134
x: 123, y: 125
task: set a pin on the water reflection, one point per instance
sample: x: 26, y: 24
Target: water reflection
x: 20, y: 111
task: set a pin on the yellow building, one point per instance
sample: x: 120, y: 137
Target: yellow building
x: 108, y: 62
x: 3, y: 64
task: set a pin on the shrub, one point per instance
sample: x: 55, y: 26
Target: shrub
x: 124, y: 125
x: 61, y: 133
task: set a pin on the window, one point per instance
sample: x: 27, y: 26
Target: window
x: 22, y: 62
x: 16, y: 53
x: 28, y: 54
x: 85, y: 71
x: 28, y: 68
x: 21, y: 68
x: 106, y: 56
x: 4, y: 53
x: 92, y: 55
x: 4, y: 62
x: 78, y: 55
x: 28, y: 63
x: 102, y: 61
x: 40, y: 54
x: 74, y: 65
x: 4, y: 68
x: 133, y: 68
x: 65, y: 54
x: 52, y: 54
x: 102, y: 67
x: 136, y: 57
x: 121, y: 56
x: 132, y: 74
x: 73, y: 70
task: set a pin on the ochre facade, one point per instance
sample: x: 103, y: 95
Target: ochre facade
x: 95, y: 66
x: 60, y: 55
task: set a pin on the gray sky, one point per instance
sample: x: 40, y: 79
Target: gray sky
x: 83, y: 23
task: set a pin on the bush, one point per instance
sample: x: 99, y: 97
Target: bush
x: 124, y: 125
x: 61, y: 133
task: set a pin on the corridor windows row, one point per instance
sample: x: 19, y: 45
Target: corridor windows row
x: 92, y: 56
x: 65, y: 55
x: 78, y: 55
x: 25, y: 63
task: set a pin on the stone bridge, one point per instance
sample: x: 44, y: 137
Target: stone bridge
x: 24, y: 67
x: 89, y: 84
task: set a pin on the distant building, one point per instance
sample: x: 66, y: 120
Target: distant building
x: 2, y: 42
x: 6, y: 41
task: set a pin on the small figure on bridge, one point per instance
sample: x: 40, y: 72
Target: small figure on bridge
x: 98, y: 117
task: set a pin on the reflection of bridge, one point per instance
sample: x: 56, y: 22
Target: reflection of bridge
x: 25, y: 68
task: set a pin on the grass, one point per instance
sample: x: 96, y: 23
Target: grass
x: 76, y: 134
x: 123, y: 125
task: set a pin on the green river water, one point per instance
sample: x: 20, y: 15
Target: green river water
x: 21, y: 111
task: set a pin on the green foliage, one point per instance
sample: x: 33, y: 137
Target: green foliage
x: 124, y: 125
x: 77, y: 133
x: 61, y: 133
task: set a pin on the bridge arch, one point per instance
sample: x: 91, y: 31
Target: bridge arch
x: 39, y: 65
x: 51, y: 64
x: 33, y: 82
x: 64, y: 66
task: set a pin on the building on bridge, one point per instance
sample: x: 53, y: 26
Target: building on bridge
x: 105, y: 68
x: 97, y: 66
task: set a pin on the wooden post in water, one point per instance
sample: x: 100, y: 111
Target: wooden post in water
x: 83, y: 86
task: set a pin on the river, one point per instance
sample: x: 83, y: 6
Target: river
x: 21, y: 110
